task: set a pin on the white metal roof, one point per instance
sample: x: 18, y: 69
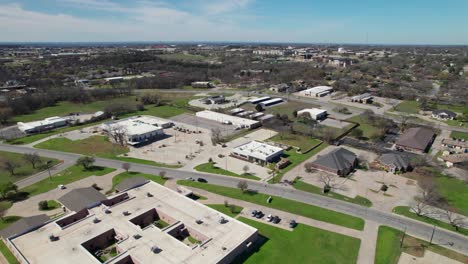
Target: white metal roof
x: 318, y: 89
x: 312, y: 111
x: 257, y: 150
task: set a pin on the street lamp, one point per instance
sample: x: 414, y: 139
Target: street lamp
x: 48, y: 164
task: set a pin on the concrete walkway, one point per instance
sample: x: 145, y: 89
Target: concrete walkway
x: 43, y: 174
x: 368, y: 236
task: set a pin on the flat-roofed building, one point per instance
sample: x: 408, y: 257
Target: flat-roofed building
x: 236, y: 111
x: 228, y: 119
x: 317, y: 91
x: 259, y: 100
x: 365, y: 98
x: 202, y: 85
x: 456, y: 145
x: 257, y: 152
x: 271, y: 102
x: 137, y: 130
x: 42, y: 125
x: 315, y: 113
x: 146, y: 224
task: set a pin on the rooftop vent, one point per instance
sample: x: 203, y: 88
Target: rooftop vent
x: 126, y: 213
x: 222, y: 220
x: 155, y: 249
x: 198, y: 221
x: 53, y: 238
x: 149, y: 194
x: 96, y: 220
x: 137, y: 236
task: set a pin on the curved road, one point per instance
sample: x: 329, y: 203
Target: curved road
x: 442, y: 237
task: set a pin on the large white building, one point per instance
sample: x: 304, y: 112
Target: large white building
x: 228, y: 119
x: 317, y: 91
x: 258, y: 152
x: 137, y: 130
x: 315, y: 113
x: 146, y: 224
x: 42, y: 125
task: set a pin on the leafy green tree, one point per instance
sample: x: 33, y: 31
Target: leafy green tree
x: 87, y: 162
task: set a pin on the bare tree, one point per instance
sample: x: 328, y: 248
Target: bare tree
x: 118, y: 134
x: 163, y: 175
x: 429, y: 196
x: 126, y: 166
x: 309, y: 167
x: 246, y: 169
x: 330, y: 183
x: 243, y: 185
x: 215, y: 136
x: 453, y: 218
x: 10, y: 166
x: 404, y: 122
x: 32, y: 158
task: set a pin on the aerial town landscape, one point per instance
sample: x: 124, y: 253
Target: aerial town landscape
x: 233, y: 152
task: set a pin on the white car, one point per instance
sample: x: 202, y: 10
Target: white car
x: 61, y: 187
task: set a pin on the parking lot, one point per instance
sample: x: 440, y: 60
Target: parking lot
x: 194, y: 121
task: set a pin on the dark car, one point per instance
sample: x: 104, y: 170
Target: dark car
x: 254, y: 212
x: 202, y: 180
x: 276, y: 219
x: 259, y: 214
x: 292, y: 224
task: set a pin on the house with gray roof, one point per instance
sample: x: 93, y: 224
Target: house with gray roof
x: 339, y: 161
x: 394, y: 162
x: 444, y: 114
x: 416, y: 139
x: 82, y: 198
x: 24, y: 225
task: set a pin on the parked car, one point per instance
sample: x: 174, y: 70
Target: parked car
x: 292, y: 224
x: 61, y: 187
x: 276, y: 219
x: 190, y: 179
x: 254, y: 213
x: 202, y: 180
x: 269, y: 218
x: 259, y: 214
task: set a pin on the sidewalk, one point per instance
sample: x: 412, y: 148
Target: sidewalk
x: 43, y: 174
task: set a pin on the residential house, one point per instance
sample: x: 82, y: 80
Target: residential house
x: 339, y: 161
x: 416, y: 139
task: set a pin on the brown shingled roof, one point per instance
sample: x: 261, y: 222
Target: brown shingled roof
x: 416, y: 138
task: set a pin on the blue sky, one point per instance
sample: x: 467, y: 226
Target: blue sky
x: 325, y: 21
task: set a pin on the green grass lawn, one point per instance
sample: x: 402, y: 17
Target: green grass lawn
x: 8, y: 220
x: 406, y: 211
x: 368, y: 130
x: 300, y: 185
x: 455, y: 191
x: 411, y: 107
x: 456, y: 123
x: 388, y: 249
x: 295, y: 159
x: 94, y: 145
x: 127, y: 175
x: 7, y: 253
x: 99, y: 146
x: 304, y: 143
x: 25, y: 168
x: 279, y: 203
x: 305, y: 244
x: 164, y: 111
x: 227, y: 209
x: 459, y: 135
x: 210, y: 168
x: 69, y: 175
x: 52, y: 205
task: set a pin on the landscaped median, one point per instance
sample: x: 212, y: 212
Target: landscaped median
x: 7, y: 253
x: 300, y: 185
x: 280, y: 203
x: 211, y: 168
x: 305, y: 244
x: 406, y: 211
x: 96, y: 145
x: 388, y: 248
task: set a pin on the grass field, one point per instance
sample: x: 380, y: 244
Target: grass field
x: 305, y: 244
x: 411, y: 107
x: 406, y: 211
x: 388, y: 249
x: 25, y: 168
x: 227, y: 210
x: 279, y: 203
x: 94, y: 145
x: 300, y: 185
x: 455, y: 191
x: 73, y: 173
x: 210, y: 168
x: 146, y: 162
x: 7, y: 253
x: 295, y: 159
x: 368, y: 130
x: 459, y: 135
x: 127, y: 175
x: 304, y: 143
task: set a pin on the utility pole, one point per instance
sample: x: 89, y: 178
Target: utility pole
x: 403, y: 238
x: 432, y: 235
x: 49, y: 162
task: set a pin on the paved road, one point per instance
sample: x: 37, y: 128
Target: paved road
x: 415, y: 228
